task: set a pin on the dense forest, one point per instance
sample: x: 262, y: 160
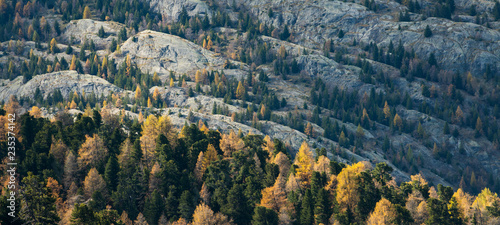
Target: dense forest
x: 90, y: 171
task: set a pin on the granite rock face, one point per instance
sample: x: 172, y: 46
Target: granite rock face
x: 159, y: 52
x: 172, y: 9
x: 79, y: 30
x: 457, y: 46
x: 65, y: 81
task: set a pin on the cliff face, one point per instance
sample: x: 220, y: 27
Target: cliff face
x: 65, y: 81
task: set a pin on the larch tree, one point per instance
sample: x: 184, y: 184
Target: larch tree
x: 93, y: 182
x: 58, y: 149
x: 231, y: 143
x: 92, y: 153
x: 73, y: 63
x: 387, y: 111
x: 203, y: 215
x: 138, y: 92
x: 86, y: 13
x: 383, y: 214
x: 124, y: 219
x: 140, y: 220
x: 198, y: 169
x: 292, y: 184
x: 126, y: 151
x: 464, y: 201
x: 155, y: 177
x: 304, y: 161
x: 274, y: 197
x: 172, y: 84
x: 283, y: 162
x: 347, y: 194
x: 240, y: 91
x: 70, y: 169
x: 197, y: 77
x: 35, y: 112
x: 322, y: 165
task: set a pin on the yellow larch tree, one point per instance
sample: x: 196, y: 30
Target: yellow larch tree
x: 126, y: 150
x: 269, y: 146
x: 35, y: 112
x: 347, y: 192
x: 240, y: 91
x: 464, y: 201
x: 172, y: 84
x: 274, y: 197
x: 209, y: 156
x: 231, y: 143
x: 197, y: 77
x: 322, y: 165
x: 383, y: 214
x: 156, y: 94
x: 198, y: 169
x: 73, y: 63
x: 283, y: 162
x: 292, y: 184
x: 92, y: 152
x: 93, y: 182
x: 138, y: 92
x: 387, y: 110
x: 304, y: 161
x: 86, y: 13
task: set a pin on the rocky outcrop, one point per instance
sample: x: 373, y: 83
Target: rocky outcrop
x: 65, y: 81
x: 79, y: 30
x: 159, y: 52
x: 171, y: 9
x: 458, y: 46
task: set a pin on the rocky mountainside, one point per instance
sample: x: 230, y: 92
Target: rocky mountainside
x: 375, y: 81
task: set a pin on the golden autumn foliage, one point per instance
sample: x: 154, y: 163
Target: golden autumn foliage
x: 322, y: 165
x: 283, y: 162
x: 73, y: 63
x: 304, y: 160
x: 347, y: 193
x: 93, y: 182
x: 198, y: 169
x: 151, y: 128
x: 240, y: 91
x: 86, y: 13
x: 138, y: 92
x: 274, y: 197
x: 204, y: 215
x: 387, y: 110
x: 383, y: 214
x: 92, y: 152
x: 231, y: 143
x: 209, y: 156
x: 35, y: 112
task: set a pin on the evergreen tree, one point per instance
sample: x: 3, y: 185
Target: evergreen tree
x: 264, y: 216
x: 153, y: 208
x: 427, y: 31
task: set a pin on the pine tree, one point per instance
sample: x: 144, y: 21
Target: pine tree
x: 427, y: 32
x: 37, y: 203
x: 153, y: 208
x: 264, y: 216
x: 111, y: 172
x: 186, y: 206
x: 306, y: 212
